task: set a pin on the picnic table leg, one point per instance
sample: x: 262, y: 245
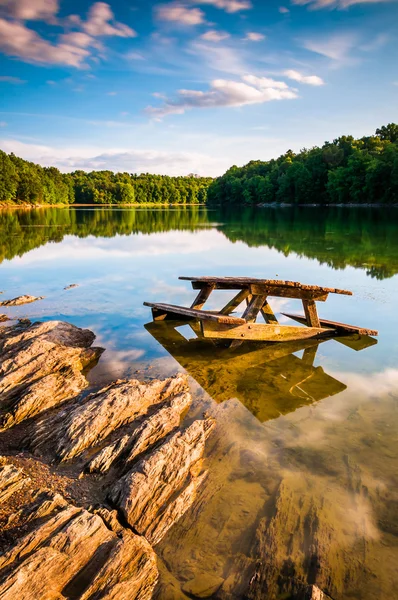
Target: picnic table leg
x: 203, y: 296
x: 311, y: 313
x: 268, y: 313
x: 255, y: 304
x: 235, y: 302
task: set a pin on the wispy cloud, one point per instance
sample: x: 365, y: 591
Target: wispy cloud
x: 283, y: 10
x: 119, y: 160
x: 252, y: 36
x: 336, y: 47
x: 12, y: 80
x: 226, y: 93
x: 308, y: 79
x: 180, y: 13
x: 339, y: 4
x: 230, y: 6
x: 215, y: 36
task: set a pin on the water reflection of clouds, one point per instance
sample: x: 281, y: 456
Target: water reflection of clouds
x: 122, y: 247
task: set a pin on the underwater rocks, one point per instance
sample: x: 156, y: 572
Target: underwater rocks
x: 41, y: 367
x: 21, y: 300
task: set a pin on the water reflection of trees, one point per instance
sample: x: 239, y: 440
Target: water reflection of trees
x: 339, y: 237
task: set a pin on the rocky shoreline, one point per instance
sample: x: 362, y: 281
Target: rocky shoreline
x: 90, y: 483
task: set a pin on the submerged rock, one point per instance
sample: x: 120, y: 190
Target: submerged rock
x: 21, y: 300
x: 71, y: 286
x: 204, y: 585
x: 41, y: 367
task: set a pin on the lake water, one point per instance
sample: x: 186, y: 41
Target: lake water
x: 303, y: 466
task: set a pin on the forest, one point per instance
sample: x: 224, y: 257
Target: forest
x: 24, y: 182
x: 345, y: 171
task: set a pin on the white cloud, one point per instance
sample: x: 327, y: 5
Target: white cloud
x: 100, y: 22
x: 255, y: 37
x: 13, y: 80
x: 308, y: 79
x: 19, y: 41
x: 3, y: 124
x: 226, y: 93
x: 179, y: 13
x: 339, y: 4
x: 230, y: 6
x: 119, y: 159
x: 71, y: 48
x: 30, y: 10
x: 215, y: 36
x: 337, y: 47
x: 283, y: 10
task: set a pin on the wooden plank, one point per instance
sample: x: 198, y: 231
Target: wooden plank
x: 268, y: 313
x: 235, y: 302
x: 289, y: 292
x: 311, y: 313
x: 193, y: 313
x: 239, y: 282
x: 203, y: 296
x: 261, y: 332
x: 253, y: 308
x: 339, y: 327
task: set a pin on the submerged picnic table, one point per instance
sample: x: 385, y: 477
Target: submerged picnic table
x: 256, y: 292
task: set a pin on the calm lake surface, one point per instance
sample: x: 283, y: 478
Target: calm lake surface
x: 303, y: 466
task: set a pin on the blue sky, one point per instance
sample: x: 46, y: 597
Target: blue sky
x: 191, y: 86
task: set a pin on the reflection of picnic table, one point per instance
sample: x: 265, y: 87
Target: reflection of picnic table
x: 256, y: 293
x: 268, y: 379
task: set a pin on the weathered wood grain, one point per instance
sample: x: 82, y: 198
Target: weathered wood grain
x: 239, y: 282
x: 262, y: 332
x: 196, y: 314
x: 339, y: 327
x: 203, y: 296
x: 311, y: 313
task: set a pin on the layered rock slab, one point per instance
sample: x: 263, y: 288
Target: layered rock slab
x: 86, y: 424
x: 26, y: 299
x: 154, y: 428
x: 74, y: 554
x: 12, y: 480
x: 157, y: 480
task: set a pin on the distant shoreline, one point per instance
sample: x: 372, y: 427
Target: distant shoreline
x: 170, y: 205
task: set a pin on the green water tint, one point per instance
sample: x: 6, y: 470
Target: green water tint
x: 303, y: 465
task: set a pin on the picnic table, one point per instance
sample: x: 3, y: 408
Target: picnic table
x: 225, y: 325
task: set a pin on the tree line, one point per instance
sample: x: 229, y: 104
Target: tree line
x: 24, y: 182
x: 345, y: 171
